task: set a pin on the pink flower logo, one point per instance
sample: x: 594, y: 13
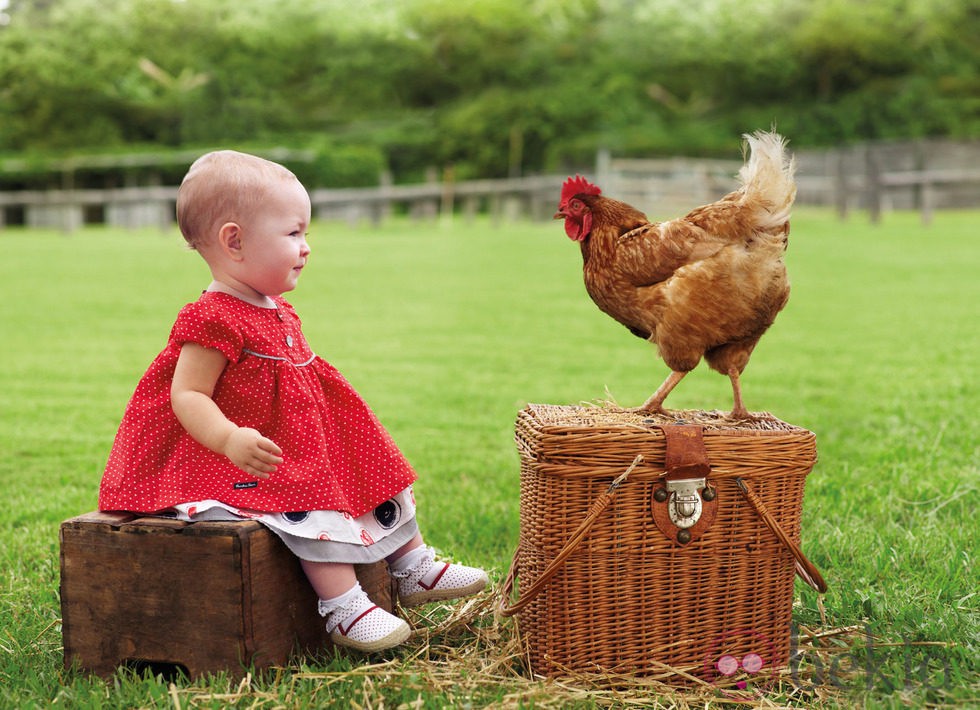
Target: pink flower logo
x: 740, y: 664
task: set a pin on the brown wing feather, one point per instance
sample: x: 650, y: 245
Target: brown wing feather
x: 653, y: 252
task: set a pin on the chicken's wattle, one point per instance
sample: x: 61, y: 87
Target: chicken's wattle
x: 578, y: 230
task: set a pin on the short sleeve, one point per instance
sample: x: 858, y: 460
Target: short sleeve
x: 210, y: 327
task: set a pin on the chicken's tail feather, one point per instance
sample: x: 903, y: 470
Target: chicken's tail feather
x: 767, y: 178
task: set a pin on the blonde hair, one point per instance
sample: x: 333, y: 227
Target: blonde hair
x: 220, y: 187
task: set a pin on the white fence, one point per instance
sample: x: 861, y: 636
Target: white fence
x: 136, y: 207
x: 925, y: 176
x: 879, y: 177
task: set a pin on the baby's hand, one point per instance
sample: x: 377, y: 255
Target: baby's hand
x: 252, y: 452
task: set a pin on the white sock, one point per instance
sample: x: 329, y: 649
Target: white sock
x: 410, y: 560
x: 326, y: 606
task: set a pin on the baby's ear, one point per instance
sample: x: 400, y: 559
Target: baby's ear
x: 230, y: 240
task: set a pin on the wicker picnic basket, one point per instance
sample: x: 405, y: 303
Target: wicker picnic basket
x: 657, y: 547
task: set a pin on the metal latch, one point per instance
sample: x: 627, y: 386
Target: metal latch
x: 684, y: 505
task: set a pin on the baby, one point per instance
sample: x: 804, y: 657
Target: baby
x: 237, y: 418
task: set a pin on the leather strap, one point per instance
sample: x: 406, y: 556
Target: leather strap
x: 686, y: 455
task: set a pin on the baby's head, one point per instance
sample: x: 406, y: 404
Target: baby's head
x: 221, y: 187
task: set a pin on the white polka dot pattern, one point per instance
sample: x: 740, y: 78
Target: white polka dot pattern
x: 362, y: 625
x: 337, y: 454
x: 423, y: 579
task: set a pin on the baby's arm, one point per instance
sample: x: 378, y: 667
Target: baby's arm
x: 197, y: 373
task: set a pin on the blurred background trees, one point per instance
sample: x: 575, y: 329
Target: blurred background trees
x: 492, y: 87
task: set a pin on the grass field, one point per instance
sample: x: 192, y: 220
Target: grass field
x: 448, y: 331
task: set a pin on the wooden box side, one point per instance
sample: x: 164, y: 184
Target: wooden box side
x: 206, y: 596
x: 138, y: 590
x: 380, y: 586
x: 280, y: 605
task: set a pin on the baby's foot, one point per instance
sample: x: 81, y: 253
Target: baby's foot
x: 358, y: 623
x: 421, y: 579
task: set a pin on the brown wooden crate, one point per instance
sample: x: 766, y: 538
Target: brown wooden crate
x: 203, y: 596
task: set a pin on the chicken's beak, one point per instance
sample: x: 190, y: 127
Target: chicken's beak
x: 559, y: 215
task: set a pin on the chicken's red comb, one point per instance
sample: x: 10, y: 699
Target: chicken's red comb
x: 576, y: 186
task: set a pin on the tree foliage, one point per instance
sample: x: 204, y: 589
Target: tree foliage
x: 494, y: 87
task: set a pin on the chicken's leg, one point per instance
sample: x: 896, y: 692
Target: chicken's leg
x: 738, y: 409
x: 656, y: 402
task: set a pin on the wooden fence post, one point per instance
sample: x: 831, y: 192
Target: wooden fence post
x: 384, y: 208
x: 446, y: 203
x: 873, y: 185
x: 927, y: 198
x: 840, y: 183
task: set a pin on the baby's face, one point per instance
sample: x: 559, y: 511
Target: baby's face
x: 274, y: 246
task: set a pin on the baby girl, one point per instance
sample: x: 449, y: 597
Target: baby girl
x: 237, y: 418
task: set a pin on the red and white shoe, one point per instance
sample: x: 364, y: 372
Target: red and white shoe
x: 364, y: 626
x: 423, y: 579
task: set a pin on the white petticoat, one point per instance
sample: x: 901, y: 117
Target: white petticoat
x: 325, y: 535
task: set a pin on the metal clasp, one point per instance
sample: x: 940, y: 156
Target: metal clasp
x: 684, y: 505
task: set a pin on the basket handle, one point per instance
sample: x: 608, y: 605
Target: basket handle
x: 804, y: 568
x: 528, y: 595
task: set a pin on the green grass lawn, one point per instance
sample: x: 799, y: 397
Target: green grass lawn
x: 448, y: 331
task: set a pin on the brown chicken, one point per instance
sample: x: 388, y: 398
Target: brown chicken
x: 705, y: 285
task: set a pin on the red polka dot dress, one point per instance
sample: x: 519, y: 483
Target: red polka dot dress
x: 337, y: 456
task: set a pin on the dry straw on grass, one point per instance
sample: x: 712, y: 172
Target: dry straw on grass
x: 466, y: 655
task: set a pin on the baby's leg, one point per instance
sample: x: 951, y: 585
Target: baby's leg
x: 412, y: 544
x: 329, y: 579
x: 353, y: 620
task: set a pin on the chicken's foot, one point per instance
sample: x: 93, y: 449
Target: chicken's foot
x: 655, y: 405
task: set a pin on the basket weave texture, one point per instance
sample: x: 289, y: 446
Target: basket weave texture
x: 629, y: 599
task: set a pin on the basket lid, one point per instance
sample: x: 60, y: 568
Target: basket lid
x: 600, y: 416
x: 605, y: 438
